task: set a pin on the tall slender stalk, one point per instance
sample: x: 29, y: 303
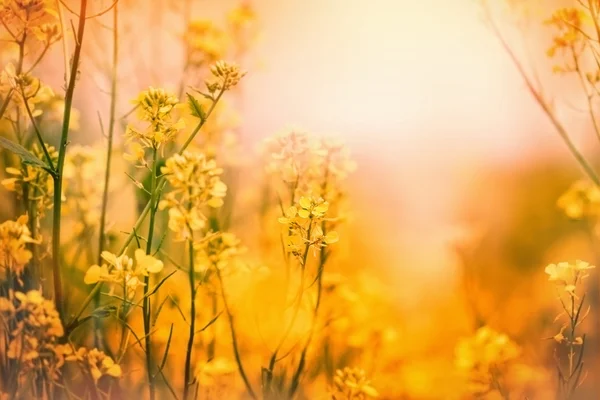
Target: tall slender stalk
x: 234, y: 342
x: 110, y: 133
x: 190, y: 344
x: 161, y: 184
x: 146, y: 306
x: 62, y: 150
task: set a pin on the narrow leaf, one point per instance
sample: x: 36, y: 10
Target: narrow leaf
x: 26, y: 155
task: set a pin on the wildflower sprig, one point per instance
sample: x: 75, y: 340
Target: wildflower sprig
x: 570, y: 38
x: 569, y: 279
x: 32, y: 327
x: 352, y: 384
x: 14, y: 238
x: 484, y: 357
x: 155, y: 107
x: 196, y: 184
x: 120, y: 270
x: 31, y: 182
x: 302, y: 222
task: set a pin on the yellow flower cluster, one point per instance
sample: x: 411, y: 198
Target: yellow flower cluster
x: 303, y: 226
x: 14, y: 237
x: 31, y: 182
x: 352, y: 384
x: 241, y: 17
x: 581, y: 200
x: 25, y: 88
x: 218, y: 251
x: 93, y: 362
x: 195, y: 183
x: 121, y: 271
x: 568, y: 22
x: 36, y: 16
x: 35, y: 327
x: 155, y: 106
x: 206, y: 43
x: 288, y: 154
x: 310, y: 164
x: 482, y: 355
x: 228, y: 75
x: 568, y: 275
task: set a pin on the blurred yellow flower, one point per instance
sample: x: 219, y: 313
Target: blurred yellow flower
x: 352, y: 384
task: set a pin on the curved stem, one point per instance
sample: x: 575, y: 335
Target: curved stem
x: 190, y: 344
x: 543, y: 104
x: 62, y: 150
x: 160, y: 186
x: 146, y: 306
x: 234, y: 342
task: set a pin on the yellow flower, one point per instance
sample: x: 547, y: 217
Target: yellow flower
x: 219, y: 251
x: 483, y: 353
x: 34, y: 180
x: 568, y: 274
x: 228, y: 75
x: 196, y: 183
x: 205, y: 42
x: 581, y: 200
x: 155, y: 106
x: 147, y: 263
x: 121, y: 271
x: 14, y: 238
x: 95, y: 363
x: 352, y: 384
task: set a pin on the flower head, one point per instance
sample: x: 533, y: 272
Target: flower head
x: 483, y: 353
x: 568, y: 274
x: 155, y: 107
x: 352, y: 384
x: 227, y: 76
x: 581, y: 200
x: 122, y: 271
x: 14, y: 238
x: 94, y: 362
x: 196, y: 184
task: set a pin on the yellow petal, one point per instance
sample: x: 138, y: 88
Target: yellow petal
x: 332, y: 237
x: 148, y: 262
x: 304, y: 202
x: 304, y: 213
x: 93, y: 275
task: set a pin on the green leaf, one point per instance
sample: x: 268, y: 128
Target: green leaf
x: 196, y: 107
x: 26, y: 155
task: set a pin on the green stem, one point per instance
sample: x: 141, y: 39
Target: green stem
x: 62, y: 150
x: 161, y: 184
x: 190, y: 344
x: 146, y: 306
x: 236, y: 350
x: 111, y: 129
x: 273, y: 360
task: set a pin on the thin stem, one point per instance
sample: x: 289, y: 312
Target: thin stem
x: 273, y: 360
x: 161, y: 184
x: 190, y: 344
x: 111, y: 129
x: 62, y: 150
x: 234, y: 342
x: 37, y: 132
x: 146, y: 307
x: 543, y: 104
x: 6, y: 102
